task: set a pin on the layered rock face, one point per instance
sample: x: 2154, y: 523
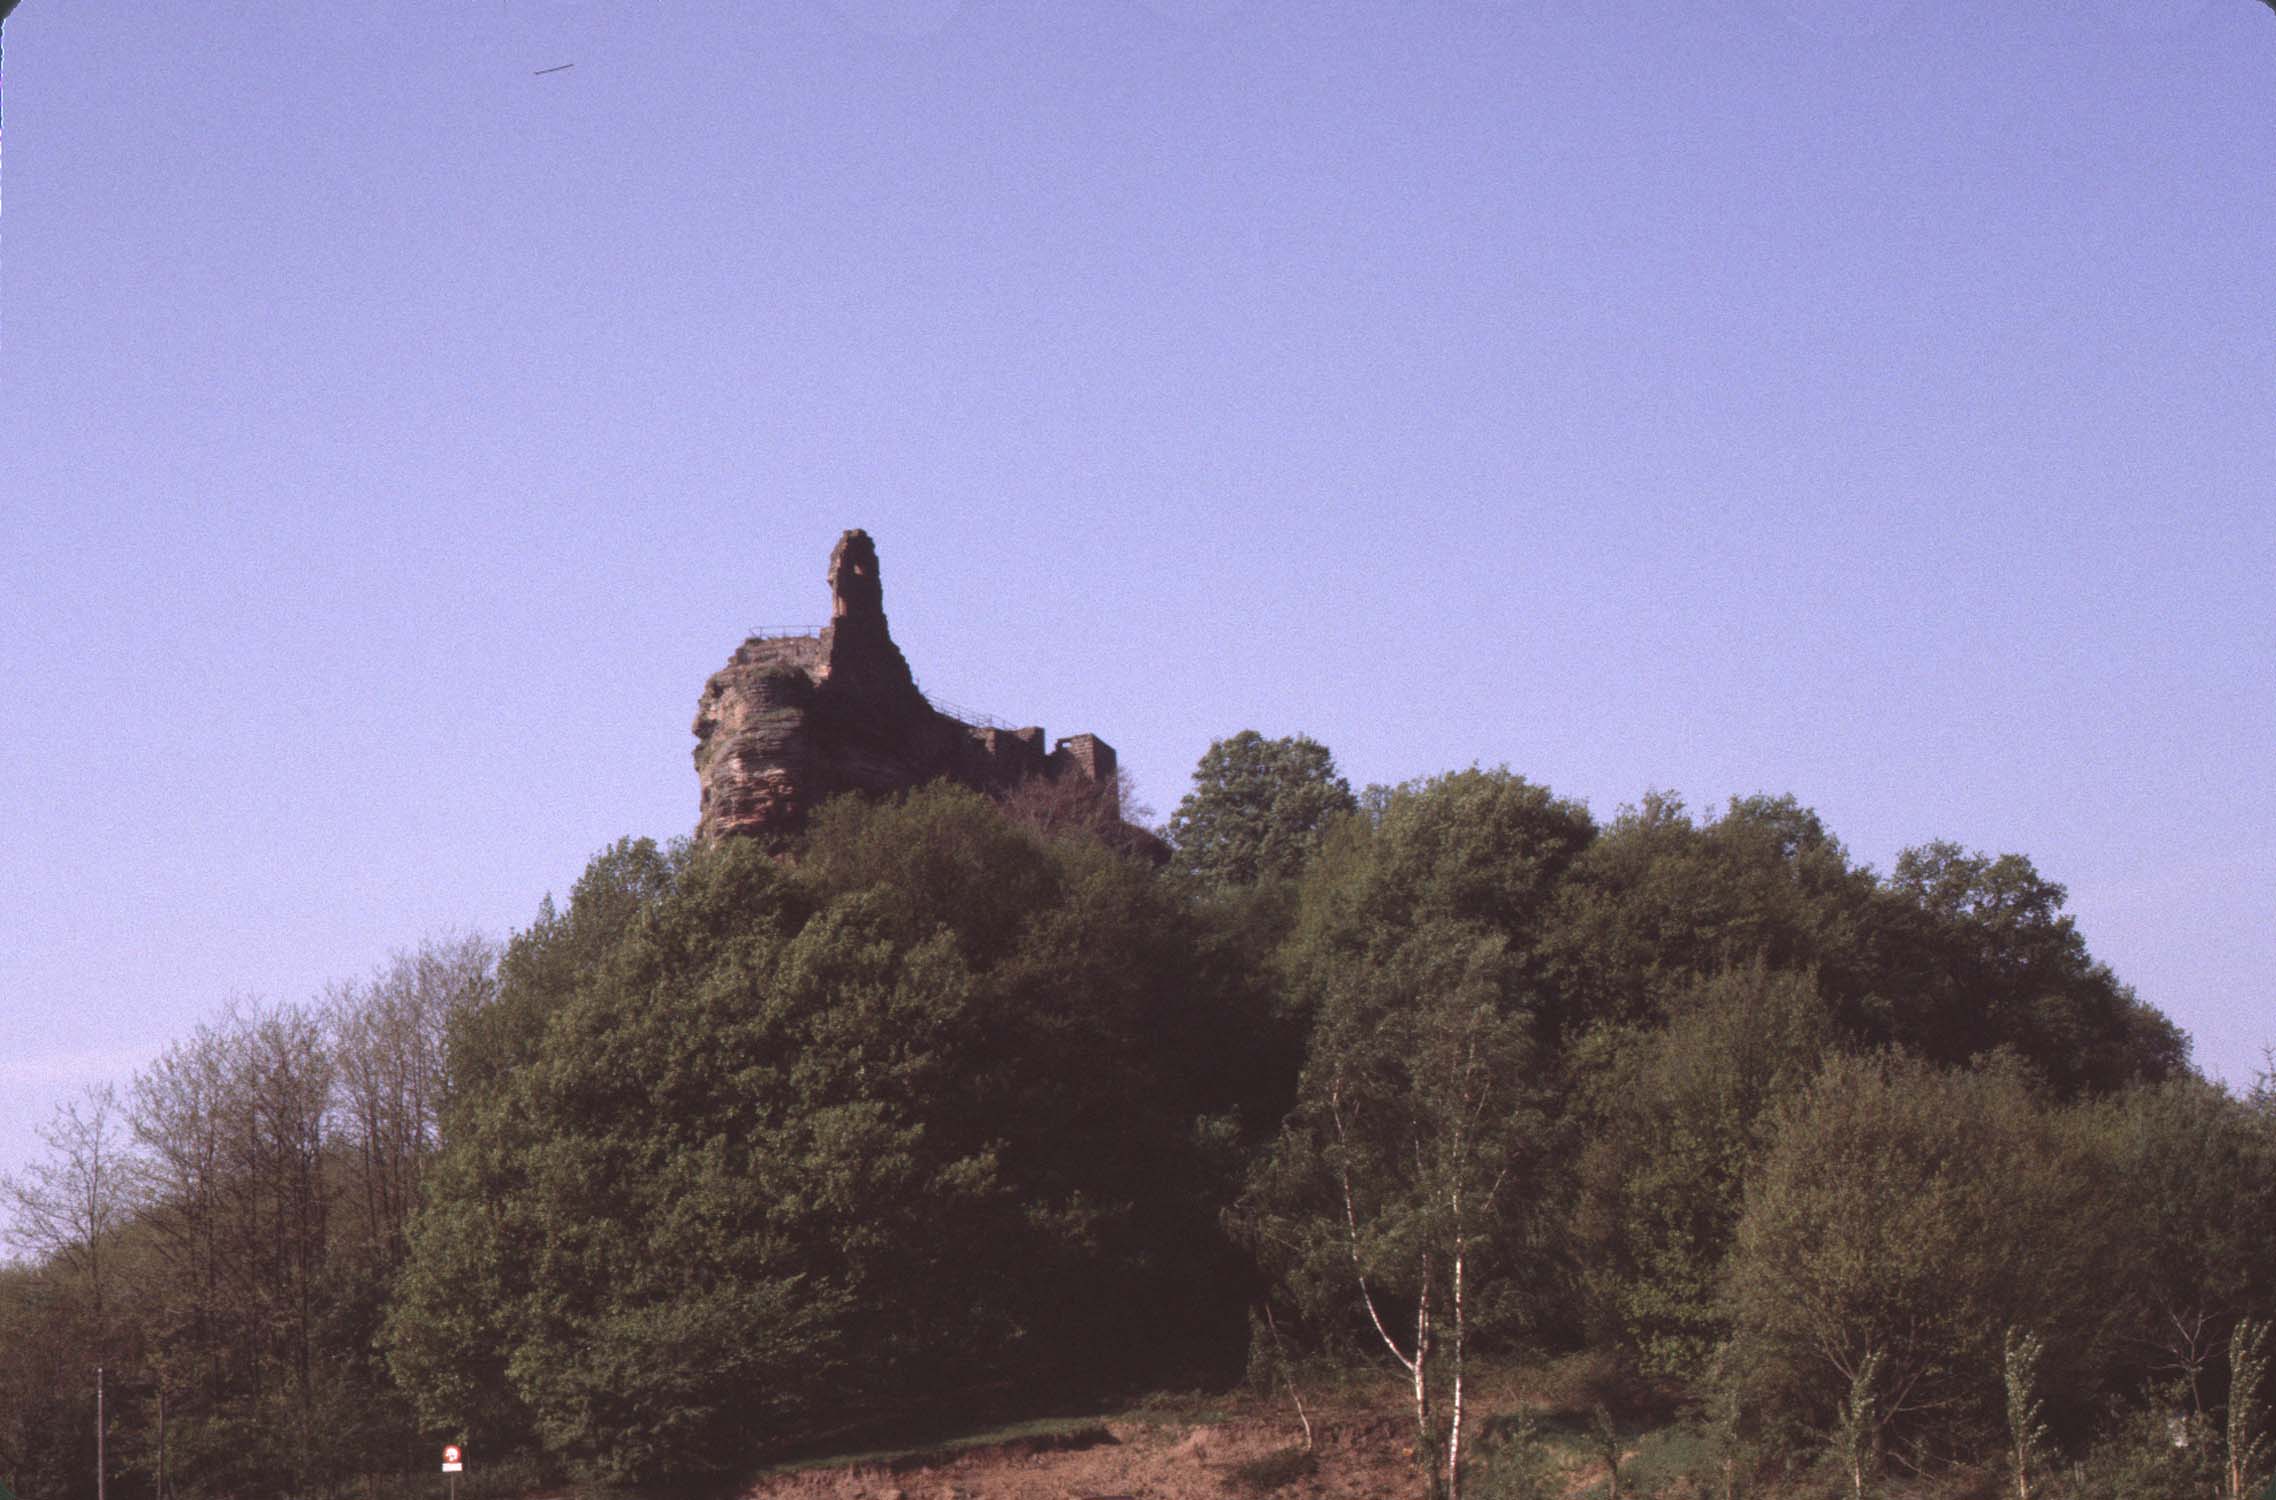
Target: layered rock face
x: 792, y: 721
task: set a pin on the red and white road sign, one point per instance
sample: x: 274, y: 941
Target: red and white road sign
x: 453, y: 1460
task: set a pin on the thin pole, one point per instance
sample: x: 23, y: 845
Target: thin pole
x: 5, y: 7
x: 100, y: 1466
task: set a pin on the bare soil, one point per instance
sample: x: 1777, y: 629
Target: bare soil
x: 1198, y: 1448
x: 1357, y: 1455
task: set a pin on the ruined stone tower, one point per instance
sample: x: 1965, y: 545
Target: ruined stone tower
x: 793, y: 720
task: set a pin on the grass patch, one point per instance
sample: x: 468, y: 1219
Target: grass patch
x: 1664, y: 1457
x: 1039, y: 1434
x: 1276, y: 1470
x: 1561, y: 1432
x: 1178, y: 1409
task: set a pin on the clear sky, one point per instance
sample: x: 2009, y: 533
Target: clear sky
x: 1868, y: 400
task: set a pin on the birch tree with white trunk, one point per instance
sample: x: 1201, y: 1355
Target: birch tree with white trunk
x: 1396, y: 1197
x: 1390, y: 1190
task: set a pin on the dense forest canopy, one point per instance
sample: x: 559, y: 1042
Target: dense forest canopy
x: 731, y: 1155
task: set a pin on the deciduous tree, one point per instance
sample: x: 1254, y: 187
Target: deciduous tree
x: 1403, y: 1186
x: 1679, y: 1120
x: 1257, y: 809
x: 787, y: 1149
x: 1908, y: 1215
x: 70, y: 1207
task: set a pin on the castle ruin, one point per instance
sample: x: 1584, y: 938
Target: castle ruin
x: 793, y: 720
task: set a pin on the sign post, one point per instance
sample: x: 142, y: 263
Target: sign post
x: 454, y: 1462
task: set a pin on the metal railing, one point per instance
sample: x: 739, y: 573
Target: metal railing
x: 963, y: 715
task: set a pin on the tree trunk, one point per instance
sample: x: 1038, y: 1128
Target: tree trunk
x: 1454, y: 1428
x: 1425, y: 1438
x: 1287, y: 1373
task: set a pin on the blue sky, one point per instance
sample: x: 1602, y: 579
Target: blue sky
x: 1861, y: 399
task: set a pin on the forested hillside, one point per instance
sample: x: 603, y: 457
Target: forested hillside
x: 963, y: 1110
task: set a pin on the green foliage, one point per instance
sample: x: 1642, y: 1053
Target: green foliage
x: 1905, y: 1214
x: 1412, y: 1139
x: 1518, y: 1465
x: 797, y: 1147
x: 1980, y: 956
x: 1609, y: 1443
x: 1659, y: 904
x: 544, y: 964
x: 1673, y: 1461
x: 741, y: 1154
x: 1680, y: 1118
x: 1730, y: 1453
x: 1857, y: 1429
x: 2138, y: 1458
x: 1257, y: 809
x: 1955, y: 956
x: 1272, y: 1368
x: 1472, y: 850
x: 47, y: 1405
x: 2191, y: 1189
x: 2026, y: 1434
x: 1404, y: 1189
x: 1416, y: 1122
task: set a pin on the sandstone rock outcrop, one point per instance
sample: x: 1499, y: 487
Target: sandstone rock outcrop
x: 793, y: 720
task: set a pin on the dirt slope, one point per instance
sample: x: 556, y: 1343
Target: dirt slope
x: 1138, y: 1459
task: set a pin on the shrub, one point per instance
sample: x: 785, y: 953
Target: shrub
x: 1913, y: 1214
x: 2141, y: 1461
x: 1518, y: 1465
